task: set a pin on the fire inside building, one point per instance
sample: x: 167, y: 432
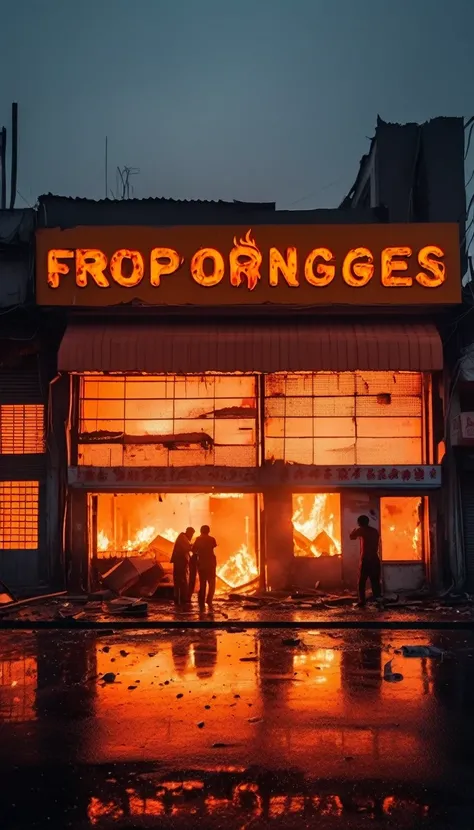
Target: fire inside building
x: 272, y: 374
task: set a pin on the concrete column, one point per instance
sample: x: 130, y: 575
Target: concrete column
x: 278, y: 510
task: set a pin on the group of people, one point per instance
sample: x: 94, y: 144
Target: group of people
x: 191, y: 559
x: 198, y: 558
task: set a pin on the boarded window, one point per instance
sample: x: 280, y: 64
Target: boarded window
x: 344, y: 418
x: 21, y: 429
x: 168, y: 420
x: 19, y: 515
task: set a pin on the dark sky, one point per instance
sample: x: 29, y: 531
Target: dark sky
x: 253, y: 100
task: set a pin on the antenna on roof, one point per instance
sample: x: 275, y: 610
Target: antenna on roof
x: 124, y: 190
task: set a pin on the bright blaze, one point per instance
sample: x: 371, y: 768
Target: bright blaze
x: 147, y: 525
x: 141, y: 540
x: 239, y: 569
x: 103, y: 541
x: 169, y: 534
x: 318, y: 533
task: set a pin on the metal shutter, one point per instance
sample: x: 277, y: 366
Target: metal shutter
x: 21, y: 385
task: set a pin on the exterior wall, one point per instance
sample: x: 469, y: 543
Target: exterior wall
x: 196, y: 470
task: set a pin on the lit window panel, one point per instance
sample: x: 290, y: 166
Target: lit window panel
x: 401, y: 521
x: 344, y: 418
x: 21, y: 429
x: 172, y: 420
x: 19, y: 515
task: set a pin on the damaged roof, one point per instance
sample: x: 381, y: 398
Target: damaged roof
x: 67, y: 212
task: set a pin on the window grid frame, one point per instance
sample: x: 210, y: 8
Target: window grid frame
x: 19, y: 515
x: 355, y: 441
x: 22, y: 429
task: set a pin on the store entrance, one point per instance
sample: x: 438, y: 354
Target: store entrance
x: 325, y: 555
x: 145, y: 525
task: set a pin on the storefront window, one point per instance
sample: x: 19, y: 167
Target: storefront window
x: 344, y: 418
x: 147, y: 524
x: 317, y: 524
x: 19, y: 515
x: 168, y: 421
x: 401, y: 528
x: 21, y: 429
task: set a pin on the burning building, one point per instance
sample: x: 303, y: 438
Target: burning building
x: 208, y: 385
x: 273, y: 374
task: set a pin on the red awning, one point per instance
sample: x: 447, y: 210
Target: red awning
x: 297, y: 346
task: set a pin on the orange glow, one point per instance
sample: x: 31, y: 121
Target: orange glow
x: 198, y: 266
x: 55, y: 267
x: 254, y: 262
x: 436, y: 268
x: 116, y: 267
x: 133, y: 524
x: 21, y: 429
x: 193, y: 421
x: 240, y: 568
x: 19, y: 515
x: 355, y: 272
x: 324, y: 272
x: 93, y: 262
x: 389, y: 265
x: 317, y: 522
x: 344, y: 418
x: 288, y: 267
x: 246, y: 249
x: 163, y: 261
x: 401, y: 528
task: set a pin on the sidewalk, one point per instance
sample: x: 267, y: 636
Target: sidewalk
x: 75, y: 612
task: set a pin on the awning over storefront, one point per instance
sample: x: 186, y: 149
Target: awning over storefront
x: 296, y: 346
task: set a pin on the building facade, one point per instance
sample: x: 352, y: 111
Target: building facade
x: 265, y: 374
x: 271, y: 373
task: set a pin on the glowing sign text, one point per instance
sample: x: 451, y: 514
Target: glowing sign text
x: 244, y: 265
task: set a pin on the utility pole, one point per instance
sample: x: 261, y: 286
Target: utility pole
x: 14, y: 169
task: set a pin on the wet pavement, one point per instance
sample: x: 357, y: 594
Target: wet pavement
x: 66, y: 611
x: 253, y: 729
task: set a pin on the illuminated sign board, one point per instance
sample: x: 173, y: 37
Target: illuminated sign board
x: 402, y: 265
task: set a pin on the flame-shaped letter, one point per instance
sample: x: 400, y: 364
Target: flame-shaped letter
x: 433, y: 266
x: 325, y: 272
x: 250, y: 268
x: 288, y: 266
x: 55, y: 268
x: 357, y: 273
x: 172, y: 261
x: 91, y: 261
x: 389, y: 265
x: 197, y: 266
x: 116, y: 266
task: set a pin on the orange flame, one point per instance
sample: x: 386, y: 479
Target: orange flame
x: 250, y: 268
x: 239, y: 569
x: 318, y: 534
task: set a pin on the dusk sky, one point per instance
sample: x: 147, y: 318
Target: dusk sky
x: 252, y: 100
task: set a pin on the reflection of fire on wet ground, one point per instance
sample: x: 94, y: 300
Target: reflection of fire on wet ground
x: 317, y: 525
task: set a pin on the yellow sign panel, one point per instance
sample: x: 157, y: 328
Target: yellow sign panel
x: 269, y: 264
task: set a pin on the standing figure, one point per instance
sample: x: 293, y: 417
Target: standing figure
x: 180, y: 560
x: 203, y: 550
x: 370, y: 567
